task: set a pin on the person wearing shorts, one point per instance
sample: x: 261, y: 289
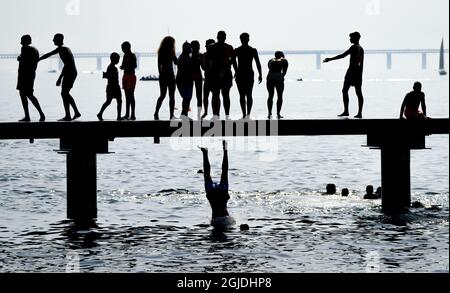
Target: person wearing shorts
x: 129, y: 65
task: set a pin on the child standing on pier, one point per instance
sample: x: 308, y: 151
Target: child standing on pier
x: 129, y: 65
x: 113, y: 88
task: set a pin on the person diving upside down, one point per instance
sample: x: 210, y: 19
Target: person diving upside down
x: 217, y: 194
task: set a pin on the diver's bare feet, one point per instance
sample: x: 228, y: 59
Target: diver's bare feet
x: 25, y: 119
x: 344, y: 114
x: 225, y: 145
x: 204, y: 115
x: 99, y: 116
x: 42, y: 119
x: 66, y: 119
x: 359, y: 116
x: 203, y: 149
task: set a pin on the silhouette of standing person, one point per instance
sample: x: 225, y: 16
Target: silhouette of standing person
x: 245, y: 77
x: 197, y: 61
x: 206, y: 66
x: 412, y: 102
x: 113, y: 88
x: 129, y: 65
x: 278, y: 67
x: 221, y: 77
x: 68, y: 76
x: 185, y: 79
x: 354, y: 76
x: 166, y: 59
x: 28, y: 61
x: 217, y: 194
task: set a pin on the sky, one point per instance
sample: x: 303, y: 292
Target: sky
x: 102, y: 25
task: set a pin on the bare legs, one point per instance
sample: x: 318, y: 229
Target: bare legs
x: 206, y: 92
x: 68, y: 102
x: 224, y: 177
x: 216, y: 101
x: 106, y: 104
x: 207, y: 166
x: 345, y: 97
x: 246, y: 99
x: 130, y: 105
x: 271, y: 89
x: 24, y: 98
x: 164, y: 85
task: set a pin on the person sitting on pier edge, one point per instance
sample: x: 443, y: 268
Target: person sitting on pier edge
x: 411, y: 103
x: 129, y: 65
x: 354, y: 76
x: 275, y: 80
x: 113, y: 90
x: 28, y: 61
x: 185, y: 78
x: 217, y: 194
x: 370, y: 194
x: 68, y: 76
x: 166, y: 59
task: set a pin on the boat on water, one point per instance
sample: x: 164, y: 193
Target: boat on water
x: 150, y: 77
x: 442, y: 70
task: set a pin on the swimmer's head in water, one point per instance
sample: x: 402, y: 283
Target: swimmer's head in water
x: 369, y: 189
x: 115, y: 58
x: 355, y: 37
x: 245, y: 38
x: 417, y: 86
x: 279, y: 55
x: 221, y: 36
x: 345, y: 192
x: 126, y: 47
x: 58, y: 39
x: 331, y: 189
x: 25, y: 40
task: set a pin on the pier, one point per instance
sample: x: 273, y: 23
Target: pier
x: 82, y: 141
x: 319, y: 55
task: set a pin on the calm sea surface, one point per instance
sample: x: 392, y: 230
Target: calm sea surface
x: 153, y: 214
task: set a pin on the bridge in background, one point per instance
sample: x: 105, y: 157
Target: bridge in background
x: 82, y: 141
x: 422, y: 53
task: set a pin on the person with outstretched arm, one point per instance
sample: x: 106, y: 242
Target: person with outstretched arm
x: 354, y: 76
x: 68, y: 76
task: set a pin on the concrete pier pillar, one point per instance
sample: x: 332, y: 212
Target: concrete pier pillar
x: 318, y: 61
x: 99, y: 63
x: 395, y: 179
x: 424, y: 61
x: 81, y: 185
x: 389, y: 61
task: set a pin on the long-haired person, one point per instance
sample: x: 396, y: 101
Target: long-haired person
x: 166, y: 59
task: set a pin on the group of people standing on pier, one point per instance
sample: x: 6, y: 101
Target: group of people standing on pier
x: 217, y: 63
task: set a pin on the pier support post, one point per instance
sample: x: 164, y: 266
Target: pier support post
x: 389, y: 61
x: 395, y: 179
x: 99, y: 63
x: 82, y: 175
x: 424, y: 61
x: 318, y: 61
x: 81, y: 185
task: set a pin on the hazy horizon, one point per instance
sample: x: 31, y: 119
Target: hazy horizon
x: 101, y: 25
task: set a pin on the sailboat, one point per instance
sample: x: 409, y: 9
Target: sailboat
x: 442, y: 60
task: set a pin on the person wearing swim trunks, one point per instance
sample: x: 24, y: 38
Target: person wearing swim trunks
x: 412, y: 102
x: 217, y: 194
x: 28, y: 61
x: 245, y: 75
x: 354, y: 76
x: 113, y: 88
x: 68, y: 76
x: 166, y: 59
x: 206, y: 66
x: 278, y: 67
x: 185, y: 79
x: 221, y: 77
x: 129, y: 65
